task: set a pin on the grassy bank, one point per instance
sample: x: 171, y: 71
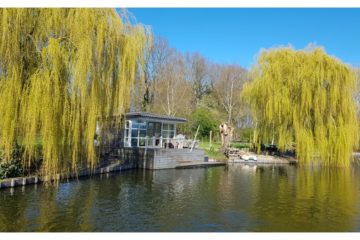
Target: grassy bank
x: 213, y: 151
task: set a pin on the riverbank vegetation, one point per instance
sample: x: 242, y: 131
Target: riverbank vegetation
x: 213, y: 150
x: 301, y: 101
x: 191, y: 86
x: 59, y: 79
x: 304, y: 100
x: 61, y: 71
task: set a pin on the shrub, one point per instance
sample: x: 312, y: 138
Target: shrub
x: 14, y: 167
x: 11, y: 169
x: 206, y: 120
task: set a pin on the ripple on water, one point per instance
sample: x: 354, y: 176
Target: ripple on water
x: 237, y: 198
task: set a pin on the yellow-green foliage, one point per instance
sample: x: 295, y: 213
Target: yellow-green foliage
x: 305, y: 99
x: 61, y: 71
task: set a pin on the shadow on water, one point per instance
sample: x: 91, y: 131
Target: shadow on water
x: 235, y: 198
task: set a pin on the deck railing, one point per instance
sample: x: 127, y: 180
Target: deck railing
x: 160, y: 142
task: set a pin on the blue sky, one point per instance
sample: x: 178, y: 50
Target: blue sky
x: 237, y: 35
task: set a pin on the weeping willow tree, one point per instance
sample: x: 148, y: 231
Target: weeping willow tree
x: 62, y: 72
x: 304, y: 99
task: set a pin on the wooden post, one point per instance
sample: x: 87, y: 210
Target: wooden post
x: 210, y: 139
x: 12, y: 183
x: 193, y: 145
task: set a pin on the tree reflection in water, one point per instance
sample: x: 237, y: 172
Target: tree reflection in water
x: 234, y: 198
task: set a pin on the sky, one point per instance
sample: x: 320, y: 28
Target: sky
x: 235, y: 36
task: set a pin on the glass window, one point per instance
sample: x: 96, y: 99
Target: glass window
x: 168, y: 130
x: 157, y: 129
x: 150, y: 132
x: 142, y: 125
x: 165, y: 134
x: 133, y: 142
x: 134, y: 133
x: 141, y: 142
x: 142, y: 133
x: 135, y: 124
x: 151, y: 129
x: 126, y: 142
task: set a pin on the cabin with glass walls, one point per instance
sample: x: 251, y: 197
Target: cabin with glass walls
x: 150, y: 141
x: 149, y: 130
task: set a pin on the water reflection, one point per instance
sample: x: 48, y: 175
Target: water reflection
x: 306, y: 199
x: 236, y: 198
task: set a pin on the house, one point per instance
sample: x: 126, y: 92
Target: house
x: 150, y: 141
x: 149, y: 130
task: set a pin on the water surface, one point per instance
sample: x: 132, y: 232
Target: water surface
x: 235, y: 198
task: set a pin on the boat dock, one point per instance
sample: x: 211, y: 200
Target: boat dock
x: 240, y: 156
x: 199, y: 164
x: 272, y: 160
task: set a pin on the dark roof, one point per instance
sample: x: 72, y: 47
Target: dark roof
x: 154, y: 116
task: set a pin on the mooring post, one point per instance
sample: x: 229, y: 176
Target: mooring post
x: 210, y: 139
x: 12, y: 183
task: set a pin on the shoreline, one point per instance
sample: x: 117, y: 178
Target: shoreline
x: 31, y: 180
x: 119, y: 166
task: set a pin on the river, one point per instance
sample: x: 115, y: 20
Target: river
x: 237, y: 198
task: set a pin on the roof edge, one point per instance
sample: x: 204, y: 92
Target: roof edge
x: 155, y: 116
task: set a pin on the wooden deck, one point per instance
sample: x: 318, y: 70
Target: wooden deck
x: 268, y: 161
x: 265, y: 159
x: 237, y: 156
x: 200, y: 164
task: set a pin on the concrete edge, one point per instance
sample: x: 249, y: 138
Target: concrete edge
x: 23, y: 181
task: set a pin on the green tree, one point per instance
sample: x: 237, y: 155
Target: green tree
x: 204, y: 118
x: 305, y: 98
x: 62, y: 72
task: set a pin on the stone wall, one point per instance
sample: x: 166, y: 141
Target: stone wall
x: 153, y: 158
x: 170, y: 158
x: 122, y: 159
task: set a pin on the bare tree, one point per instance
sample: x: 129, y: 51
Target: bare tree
x: 172, y: 91
x: 154, y: 63
x: 175, y: 84
x: 227, y: 89
x: 198, y: 68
